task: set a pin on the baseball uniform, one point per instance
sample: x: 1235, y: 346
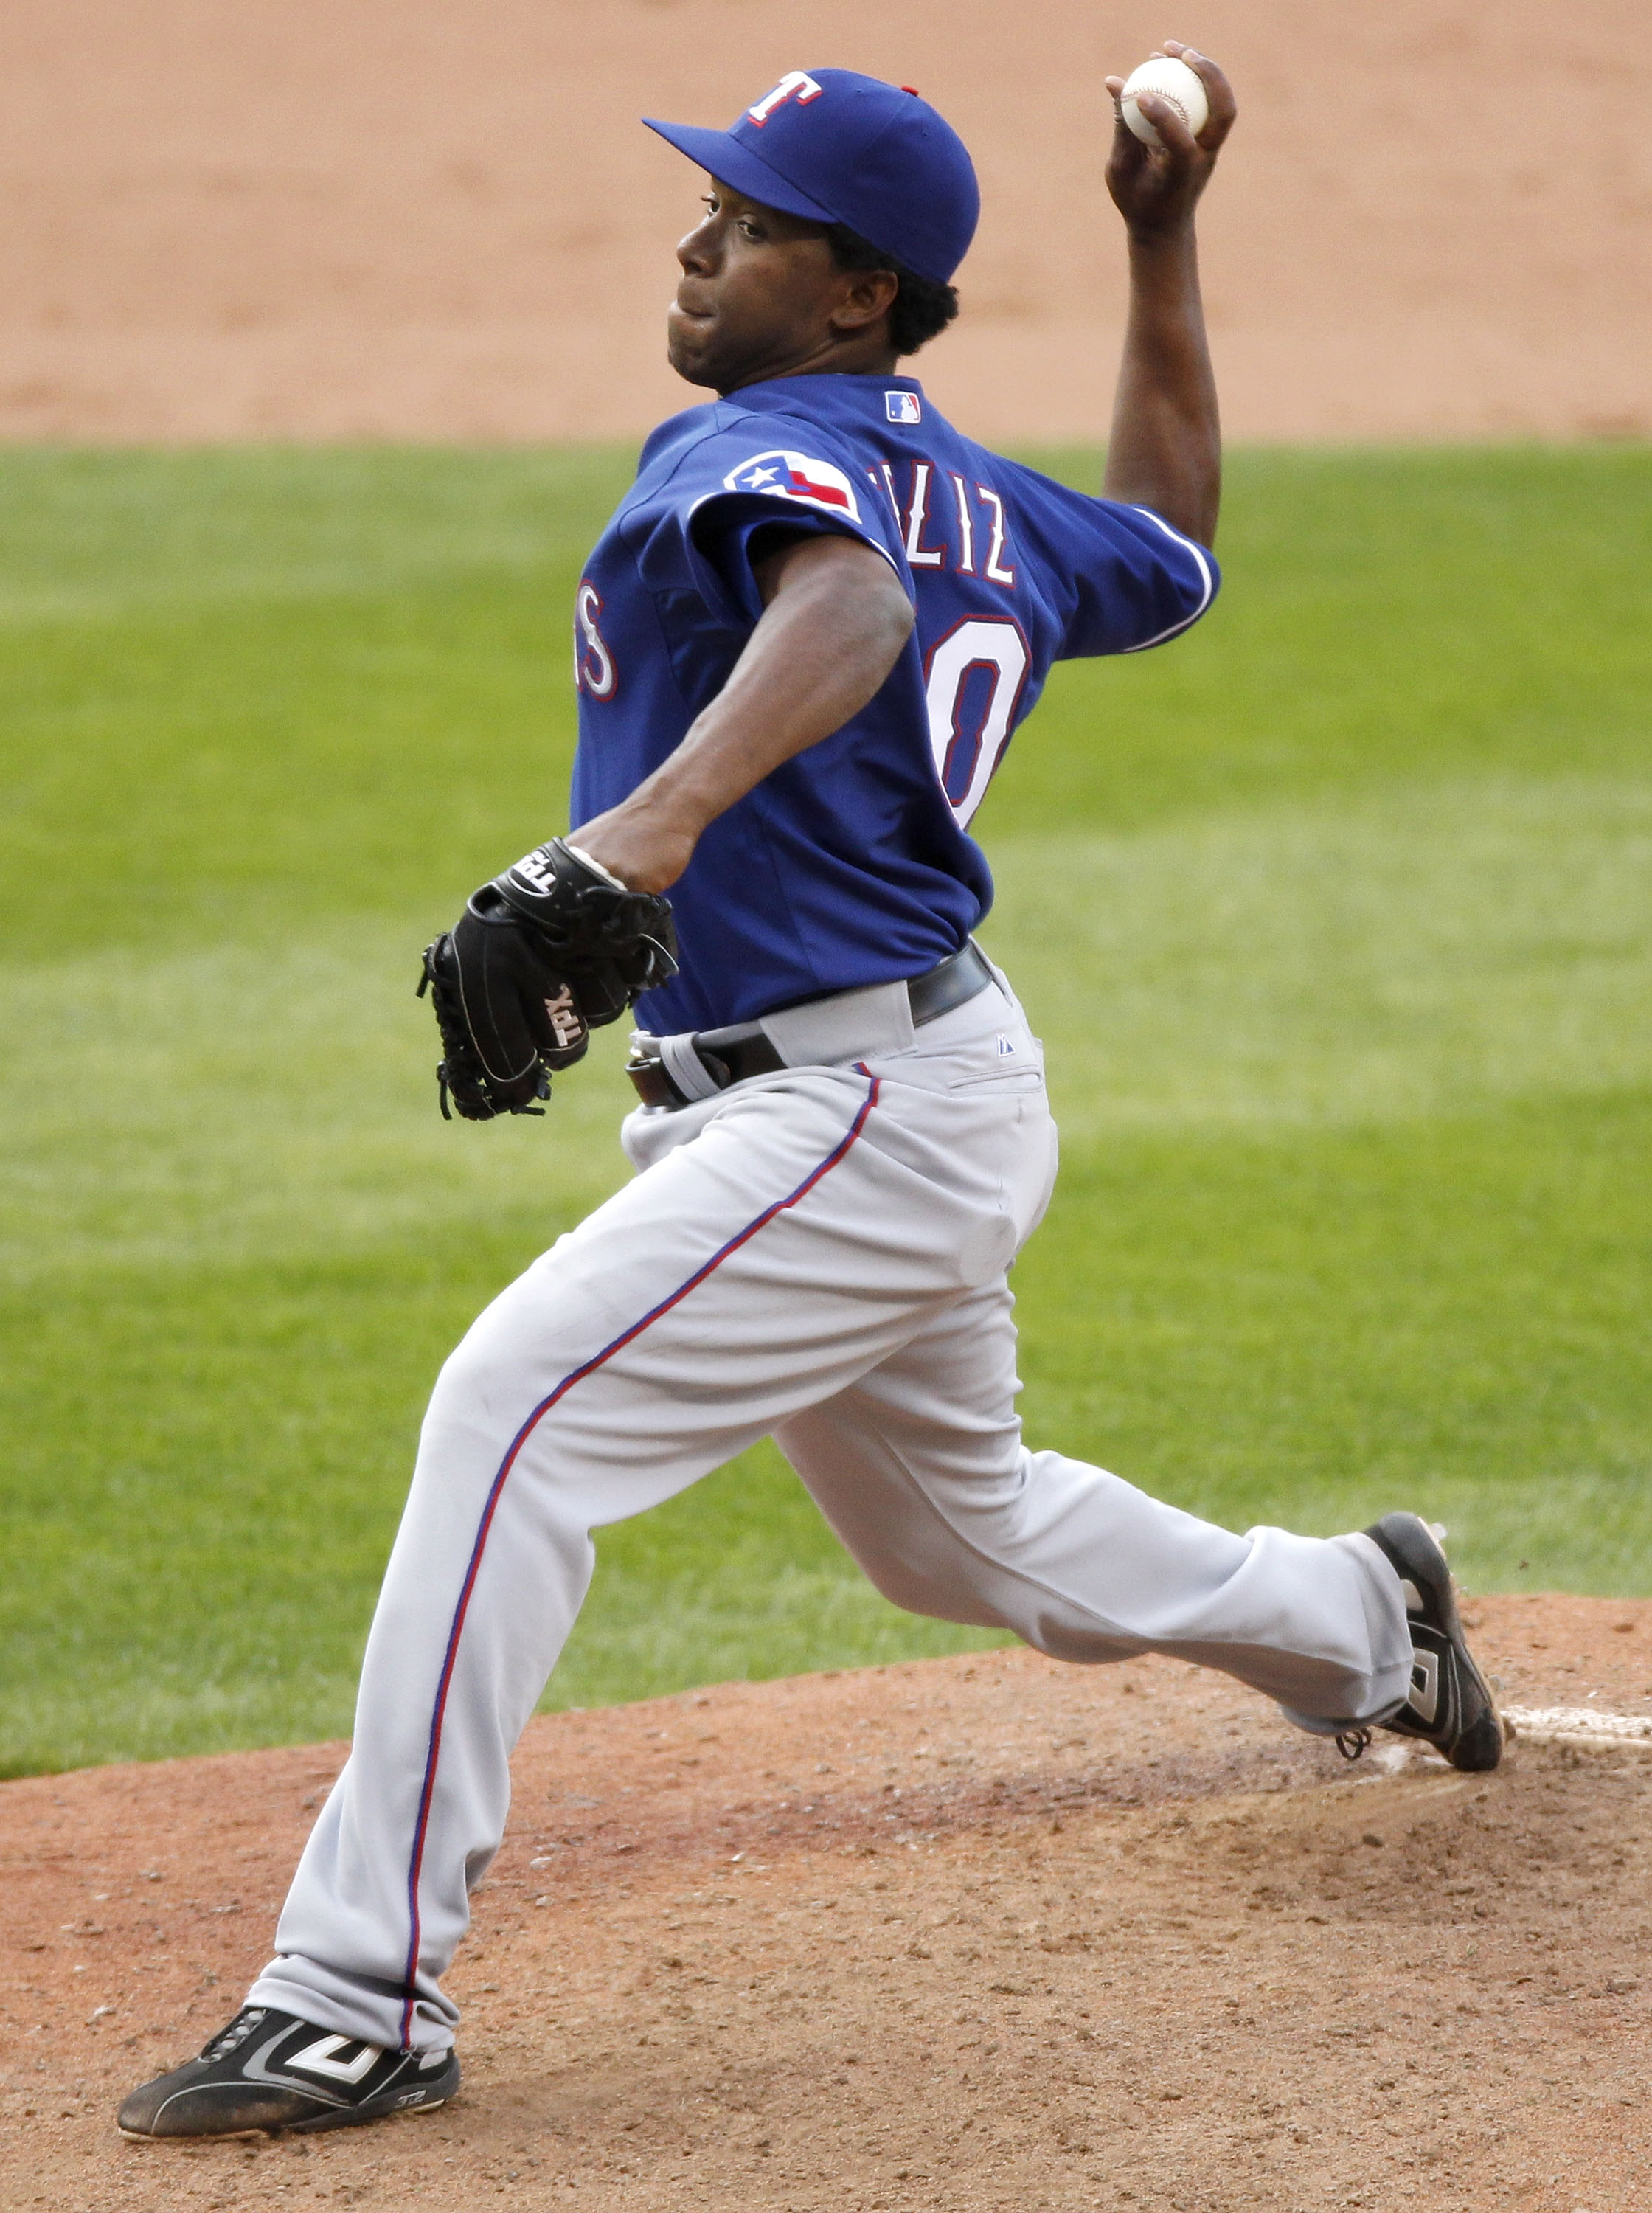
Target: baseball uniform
x: 842, y: 1142
x: 816, y: 1252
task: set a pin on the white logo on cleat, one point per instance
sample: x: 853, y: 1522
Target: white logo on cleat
x: 1425, y: 1686
x: 321, y: 2058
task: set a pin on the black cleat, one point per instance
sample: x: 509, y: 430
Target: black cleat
x: 269, y: 2071
x: 1451, y: 1705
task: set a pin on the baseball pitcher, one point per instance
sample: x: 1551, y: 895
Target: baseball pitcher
x: 802, y: 646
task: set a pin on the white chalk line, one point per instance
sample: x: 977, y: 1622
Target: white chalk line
x: 1586, y: 1725
x: 1579, y: 1725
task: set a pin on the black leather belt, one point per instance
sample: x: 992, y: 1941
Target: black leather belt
x: 730, y: 1056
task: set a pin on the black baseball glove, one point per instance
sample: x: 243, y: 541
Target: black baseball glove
x: 543, y: 955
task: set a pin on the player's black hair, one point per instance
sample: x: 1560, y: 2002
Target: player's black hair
x: 922, y: 307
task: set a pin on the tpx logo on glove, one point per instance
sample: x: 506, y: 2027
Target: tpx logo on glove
x: 540, y: 957
x: 538, y: 869
x: 567, y: 1023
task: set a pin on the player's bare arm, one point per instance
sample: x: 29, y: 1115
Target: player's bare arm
x: 1165, y: 451
x: 835, y: 622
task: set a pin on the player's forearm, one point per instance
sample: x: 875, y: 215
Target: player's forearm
x: 1166, y: 448
x: 831, y: 634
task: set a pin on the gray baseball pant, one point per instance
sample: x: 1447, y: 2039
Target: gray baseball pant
x: 820, y: 1255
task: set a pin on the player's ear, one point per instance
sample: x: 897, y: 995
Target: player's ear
x: 867, y: 295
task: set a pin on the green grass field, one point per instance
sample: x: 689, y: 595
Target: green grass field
x: 1336, y: 918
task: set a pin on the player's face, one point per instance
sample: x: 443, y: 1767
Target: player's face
x: 760, y: 295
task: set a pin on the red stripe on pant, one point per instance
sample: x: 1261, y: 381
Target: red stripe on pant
x: 497, y: 1488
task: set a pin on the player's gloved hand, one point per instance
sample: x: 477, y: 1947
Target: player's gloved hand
x: 541, y: 956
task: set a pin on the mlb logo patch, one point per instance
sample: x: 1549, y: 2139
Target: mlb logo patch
x: 785, y: 475
x: 903, y: 406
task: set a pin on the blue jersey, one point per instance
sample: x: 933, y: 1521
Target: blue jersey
x: 850, y: 864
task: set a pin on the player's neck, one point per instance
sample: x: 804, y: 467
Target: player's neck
x: 861, y: 354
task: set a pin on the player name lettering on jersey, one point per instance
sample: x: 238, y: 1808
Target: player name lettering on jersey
x: 784, y: 475
x: 594, y: 669
x: 918, y: 514
x: 955, y: 554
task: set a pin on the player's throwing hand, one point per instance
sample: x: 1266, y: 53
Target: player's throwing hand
x: 1156, y: 188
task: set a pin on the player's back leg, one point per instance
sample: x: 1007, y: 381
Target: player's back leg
x: 921, y: 1469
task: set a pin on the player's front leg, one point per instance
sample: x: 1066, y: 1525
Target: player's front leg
x: 490, y: 1566
x: 627, y: 1362
x: 672, y: 1328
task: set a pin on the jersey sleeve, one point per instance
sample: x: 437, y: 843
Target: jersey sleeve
x: 742, y: 481
x: 1121, y: 578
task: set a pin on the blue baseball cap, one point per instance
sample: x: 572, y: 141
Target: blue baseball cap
x: 836, y: 147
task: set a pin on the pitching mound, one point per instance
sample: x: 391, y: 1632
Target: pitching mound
x: 978, y: 1933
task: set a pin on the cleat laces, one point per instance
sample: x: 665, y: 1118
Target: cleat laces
x: 231, y: 2039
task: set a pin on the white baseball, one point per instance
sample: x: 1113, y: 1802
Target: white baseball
x: 1177, y: 85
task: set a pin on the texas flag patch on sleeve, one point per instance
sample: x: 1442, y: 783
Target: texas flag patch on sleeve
x: 796, y: 476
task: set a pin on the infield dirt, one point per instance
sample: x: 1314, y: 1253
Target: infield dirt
x: 433, y: 219
x: 975, y: 1934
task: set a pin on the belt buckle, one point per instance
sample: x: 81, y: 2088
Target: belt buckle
x: 650, y: 1078
x: 658, y: 1083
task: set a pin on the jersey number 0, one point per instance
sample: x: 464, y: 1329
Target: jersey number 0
x: 973, y: 685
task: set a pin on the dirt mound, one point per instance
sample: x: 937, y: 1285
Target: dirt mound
x: 975, y: 1934
x: 428, y: 218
